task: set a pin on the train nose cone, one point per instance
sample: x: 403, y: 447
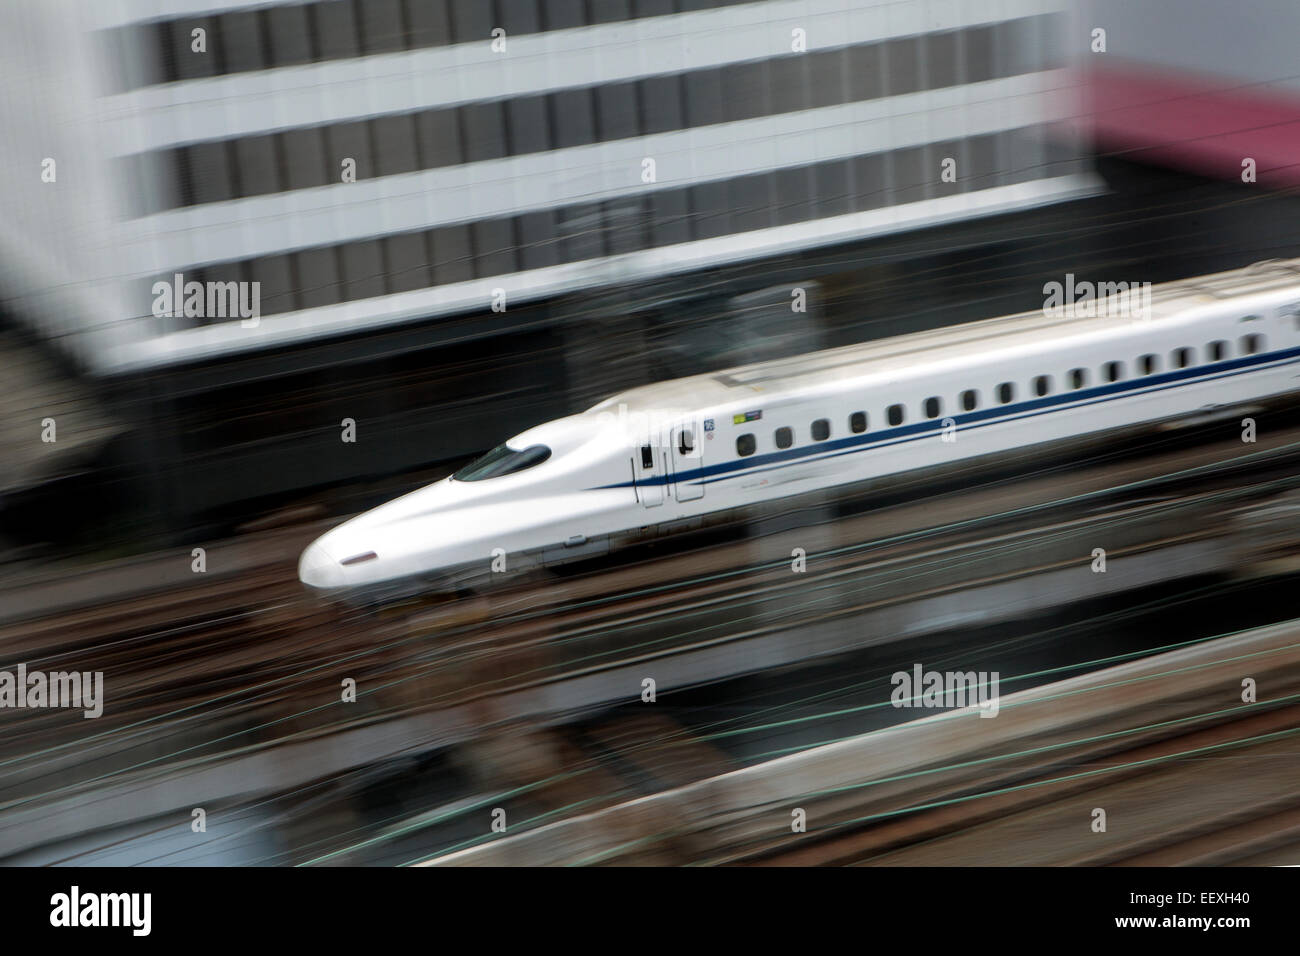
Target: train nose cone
x: 318, y: 568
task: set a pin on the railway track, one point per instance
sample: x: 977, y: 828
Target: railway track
x: 1047, y: 816
x: 1158, y: 759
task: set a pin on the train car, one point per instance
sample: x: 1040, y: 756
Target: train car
x: 672, y: 455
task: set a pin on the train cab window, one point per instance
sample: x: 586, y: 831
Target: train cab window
x: 1251, y: 344
x: 685, y: 442
x: 503, y: 460
x: 1113, y: 371
x: 1217, y: 351
x: 647, y: 457
x: 858, y: 422
x: 1078, y: 377
x: 1149, y: 364
x: 1042, y: 385
x: 821, y: 429
x: 746, y: 445
x: 894, y: 414
x: 932, y: 407
x: 1006, y: 392
x: 784, y: 437
x: 1183, y: 358
x: 970, y: 400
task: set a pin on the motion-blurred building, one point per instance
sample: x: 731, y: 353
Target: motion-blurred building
x: 388, y: 170
x: 1195, y: 85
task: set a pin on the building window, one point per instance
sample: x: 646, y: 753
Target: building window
x: 932, y: 407
x: 1006, y: 392
x: 1042, y: 385
x: 894, y: 414
x: 784, y: 437
x: 821, y: 429
x: 858, y: 422
x: 746, y: 445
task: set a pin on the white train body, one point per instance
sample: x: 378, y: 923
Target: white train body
x: 667, y: 455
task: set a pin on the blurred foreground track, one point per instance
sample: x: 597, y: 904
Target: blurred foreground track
x: 1021, y: 788
x: 226, y: 685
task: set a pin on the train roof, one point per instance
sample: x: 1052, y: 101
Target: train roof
x: 881, y: 357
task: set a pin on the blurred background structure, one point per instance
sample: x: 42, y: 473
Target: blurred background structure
x: 635, y: 185
x: 603, y: 164
x: 1196, y: 86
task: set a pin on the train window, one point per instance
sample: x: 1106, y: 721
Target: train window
x: 1006, y: 392
x: 1217, y: 351
x: 821, y: 429
x: 1183, y: 357
x: 746, y: 444
x: 931, y: 407
x: 784, y: 437
x: 1042, y: 385
x: 894, y: 414
x: 647, y: 457
x: 503, y: 460
x: 858, y: 422
x: 1113, y: 371
x: 1078, y: 377
x: 970, y: 400
x: 685, y: 442
x: 1250, y: 344
x: 1149, y: 364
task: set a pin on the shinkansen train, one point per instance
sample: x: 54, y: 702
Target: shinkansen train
x: 680, y: 453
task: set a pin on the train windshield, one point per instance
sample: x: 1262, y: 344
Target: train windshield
x: 503, y: 460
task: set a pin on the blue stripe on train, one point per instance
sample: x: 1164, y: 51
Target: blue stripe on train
x: 989, y: 416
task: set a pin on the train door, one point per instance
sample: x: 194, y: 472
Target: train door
x: 688, y: 460
x: 646, y: 467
